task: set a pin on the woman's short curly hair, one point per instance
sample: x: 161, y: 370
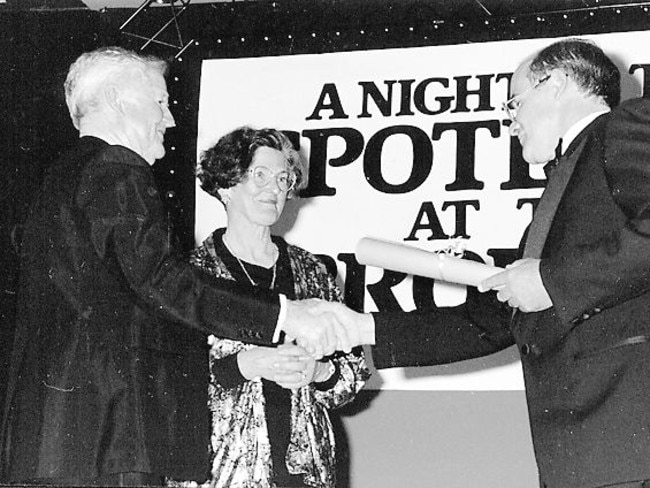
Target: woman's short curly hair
x: 226, y: 163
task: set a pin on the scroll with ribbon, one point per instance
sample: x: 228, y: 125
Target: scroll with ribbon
x: 413, y: 261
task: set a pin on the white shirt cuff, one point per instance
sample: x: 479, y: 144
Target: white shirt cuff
x: 281, y: 318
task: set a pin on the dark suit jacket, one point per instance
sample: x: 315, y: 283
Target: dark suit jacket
x: 109, y: 371
x: 586, y: 360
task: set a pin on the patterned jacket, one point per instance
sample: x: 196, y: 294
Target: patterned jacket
x: 240, y: 444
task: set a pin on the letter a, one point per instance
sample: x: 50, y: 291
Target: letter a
x: 427, y: 212
x: 329, y: 100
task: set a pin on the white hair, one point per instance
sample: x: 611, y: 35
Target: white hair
x: 93, y: 69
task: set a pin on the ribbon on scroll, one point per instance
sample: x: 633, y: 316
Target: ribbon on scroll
x: 413, y: 261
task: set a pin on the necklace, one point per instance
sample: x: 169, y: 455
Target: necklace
x: 249, y: 276
x: 243, y: 268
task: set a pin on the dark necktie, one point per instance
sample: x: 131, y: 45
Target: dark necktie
x: 552, y: 164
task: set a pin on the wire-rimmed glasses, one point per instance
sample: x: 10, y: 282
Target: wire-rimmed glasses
x: 262, y: 176
x: 512, y: 105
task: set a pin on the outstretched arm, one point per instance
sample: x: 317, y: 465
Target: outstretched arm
x: 476, y: 328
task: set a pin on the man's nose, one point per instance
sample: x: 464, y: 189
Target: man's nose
x: 169, y: 119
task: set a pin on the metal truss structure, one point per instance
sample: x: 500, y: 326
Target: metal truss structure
x: 169, y: 34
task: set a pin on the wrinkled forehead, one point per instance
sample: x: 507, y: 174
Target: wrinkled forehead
x: 155, y: 77
x: 521, y: 79
x: 143, y: 76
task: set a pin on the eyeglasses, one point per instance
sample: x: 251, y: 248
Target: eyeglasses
x: 262, y: 176
x: 512, y: 105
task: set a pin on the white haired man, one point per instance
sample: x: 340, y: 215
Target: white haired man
x: 109, y: 370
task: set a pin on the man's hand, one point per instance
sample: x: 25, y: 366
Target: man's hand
x: 520, y: 285
x: 316, y: 329
x: 323, y: 327
x: 360, y: 327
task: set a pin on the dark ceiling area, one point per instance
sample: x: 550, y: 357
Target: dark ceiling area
x: 259, y: 28
x: 440, y: 9
x: 270, y: 27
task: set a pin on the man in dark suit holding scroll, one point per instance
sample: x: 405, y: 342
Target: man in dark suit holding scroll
x: 582, y: 289
x: 581, y: 292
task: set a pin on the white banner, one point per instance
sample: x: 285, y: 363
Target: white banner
x: 406, y: 145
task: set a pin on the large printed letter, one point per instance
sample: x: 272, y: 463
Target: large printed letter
x: 421, y: 162
x: 329, y: 91
x: 465, y: 150
x: 318, y: 157
x: 384, y: 104
x: 432, y: 223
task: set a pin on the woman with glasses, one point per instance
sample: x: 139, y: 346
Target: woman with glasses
x: 269, y: 406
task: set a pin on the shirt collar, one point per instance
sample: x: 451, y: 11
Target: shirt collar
x: 576, y: 128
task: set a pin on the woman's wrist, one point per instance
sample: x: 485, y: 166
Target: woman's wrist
x: 226, y: 371
x: 324, y: 371
x: 246, y: 367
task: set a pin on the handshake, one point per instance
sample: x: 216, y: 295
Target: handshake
x: 322, y: 327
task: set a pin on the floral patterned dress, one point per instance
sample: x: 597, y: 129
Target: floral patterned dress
x: 241, y: 447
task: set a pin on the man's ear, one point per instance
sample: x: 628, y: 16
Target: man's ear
x: 113, y: 97
x: 559, y: 81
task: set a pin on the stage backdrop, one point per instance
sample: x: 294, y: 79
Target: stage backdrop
x: 409, y: 145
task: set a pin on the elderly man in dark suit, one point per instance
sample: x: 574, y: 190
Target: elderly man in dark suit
x: 108, y: 383
x: 581, y: 293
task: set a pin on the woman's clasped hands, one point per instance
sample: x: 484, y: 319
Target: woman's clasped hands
x: 288, y: 365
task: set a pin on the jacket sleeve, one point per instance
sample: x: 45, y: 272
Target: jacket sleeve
x: 444, y: 335
x: 615, y: 268
x: 127, y: 225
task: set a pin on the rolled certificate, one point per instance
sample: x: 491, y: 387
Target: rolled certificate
x: 410, y: 260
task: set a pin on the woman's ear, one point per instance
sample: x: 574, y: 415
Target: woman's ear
x: 224, y: 195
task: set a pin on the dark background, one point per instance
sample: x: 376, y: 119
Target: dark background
x: 39, y: 39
